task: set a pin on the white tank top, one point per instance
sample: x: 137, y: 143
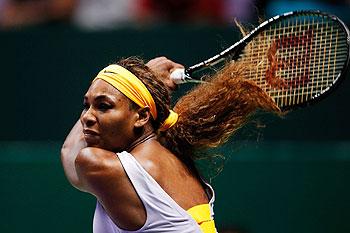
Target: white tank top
x: 163, y: 213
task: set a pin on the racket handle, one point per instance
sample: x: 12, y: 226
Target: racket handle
x: 178, y: 76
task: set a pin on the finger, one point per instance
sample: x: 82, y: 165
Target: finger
x: 156, y: 61
x: 164, y: 62
x: 170, y: 84
x: 169, y: 65
x: 176, y: 66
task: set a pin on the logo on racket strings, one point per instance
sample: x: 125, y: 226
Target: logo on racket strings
x: 292, y: 63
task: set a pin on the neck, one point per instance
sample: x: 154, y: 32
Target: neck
x: 145, y: 137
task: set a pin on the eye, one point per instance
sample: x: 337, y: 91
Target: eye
x: 104, y: 106
x: 86, y: 106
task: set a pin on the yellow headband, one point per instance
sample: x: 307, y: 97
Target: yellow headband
x: 170, y: 121
x: 128, y: 84
x: 132, y: 87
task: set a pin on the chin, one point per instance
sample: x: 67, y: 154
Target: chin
x: 92, y: 141
x: 93, y: 145
x: 98, y: 144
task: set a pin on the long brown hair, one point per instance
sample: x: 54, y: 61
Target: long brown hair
x: 215, y: 110
x: 209, y: 114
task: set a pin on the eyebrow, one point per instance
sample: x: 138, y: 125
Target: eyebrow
x: 100, y: 97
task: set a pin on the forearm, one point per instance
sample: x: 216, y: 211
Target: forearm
x: 70, y: 149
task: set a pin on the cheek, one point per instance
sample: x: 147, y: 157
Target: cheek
x: 112, y: 128
x: 112, y: 136
x: 117, y: 129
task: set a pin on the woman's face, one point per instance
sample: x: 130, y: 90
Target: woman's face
x: 107, y: 119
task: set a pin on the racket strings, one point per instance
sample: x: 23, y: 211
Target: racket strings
x: 297, y: 59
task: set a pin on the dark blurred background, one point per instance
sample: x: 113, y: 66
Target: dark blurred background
x: 291, y: 176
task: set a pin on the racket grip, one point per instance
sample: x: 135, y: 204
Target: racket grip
x: 178, y: 76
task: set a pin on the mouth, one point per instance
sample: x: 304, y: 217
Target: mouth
x: 90, y: 132
x: 91, y: 137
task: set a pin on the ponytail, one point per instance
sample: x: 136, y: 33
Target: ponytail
x: 215, y: 110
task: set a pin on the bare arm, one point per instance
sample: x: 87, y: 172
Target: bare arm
x: 70, y: 149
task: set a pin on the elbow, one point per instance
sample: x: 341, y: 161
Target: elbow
x: 68, y: 167
x: 87, y: 166
x: 64, y: 152
x: 67, y: 151
x: 67, y: 161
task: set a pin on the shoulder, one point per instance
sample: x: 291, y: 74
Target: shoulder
x: 156, y: 160
x: 95, y: 167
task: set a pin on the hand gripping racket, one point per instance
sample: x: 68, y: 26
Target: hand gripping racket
x: 297, y: 57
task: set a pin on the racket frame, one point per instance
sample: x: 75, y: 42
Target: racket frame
x: 235, y: 50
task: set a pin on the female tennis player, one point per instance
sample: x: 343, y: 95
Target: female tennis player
x: 137, y: 156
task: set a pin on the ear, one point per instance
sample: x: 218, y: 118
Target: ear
x: 143, y: 117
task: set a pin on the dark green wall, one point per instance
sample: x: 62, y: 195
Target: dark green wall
x: 295, y: 179
x: 45, y: 72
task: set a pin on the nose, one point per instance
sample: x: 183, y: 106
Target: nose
x: 88, y: 118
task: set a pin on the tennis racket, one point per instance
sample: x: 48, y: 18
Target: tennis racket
x: 297, y: 57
